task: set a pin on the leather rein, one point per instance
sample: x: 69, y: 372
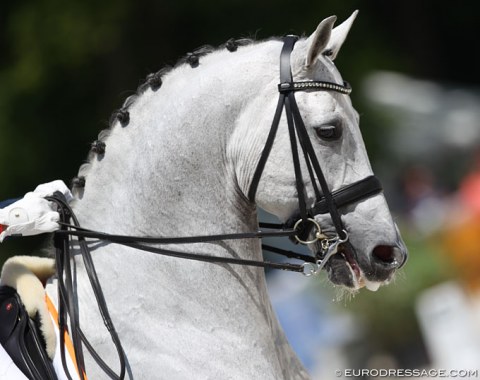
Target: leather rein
x: 326, y: 202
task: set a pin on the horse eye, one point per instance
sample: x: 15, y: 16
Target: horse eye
x: 329, y: 132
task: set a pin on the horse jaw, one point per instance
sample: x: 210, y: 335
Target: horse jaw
x: 326, y: 39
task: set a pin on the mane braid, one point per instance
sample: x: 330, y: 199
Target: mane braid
x: 233, y: 44
x: 154, y: 82
x: 193, y: 58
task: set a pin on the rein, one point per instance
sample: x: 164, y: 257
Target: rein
x: 68, y: 309
x: 142, y: 243
x: 326, y: 202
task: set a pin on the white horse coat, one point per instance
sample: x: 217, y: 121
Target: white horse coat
x: 181, y: 165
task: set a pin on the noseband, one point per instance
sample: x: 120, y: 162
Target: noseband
x: 327, y: 201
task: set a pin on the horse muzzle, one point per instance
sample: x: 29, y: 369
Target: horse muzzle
x: 370, y: 270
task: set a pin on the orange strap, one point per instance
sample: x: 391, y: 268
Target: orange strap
x: 68, y: 342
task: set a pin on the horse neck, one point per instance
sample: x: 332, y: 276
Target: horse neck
x: 167, y: 174
x: 170, y: 163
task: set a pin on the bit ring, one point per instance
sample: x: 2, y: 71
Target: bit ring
x: 318, y: 234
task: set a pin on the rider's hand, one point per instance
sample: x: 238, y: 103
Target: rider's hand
x: 32, y: 215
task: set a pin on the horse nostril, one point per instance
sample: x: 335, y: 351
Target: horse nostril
x: 385, y: 254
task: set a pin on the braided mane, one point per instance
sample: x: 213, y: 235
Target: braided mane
x: 153, y: 81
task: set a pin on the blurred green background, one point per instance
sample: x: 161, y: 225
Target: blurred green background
x: 65, y: 66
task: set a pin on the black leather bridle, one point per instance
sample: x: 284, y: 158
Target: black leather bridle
x: 327, y: 202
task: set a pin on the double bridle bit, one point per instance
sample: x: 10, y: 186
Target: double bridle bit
x: 299, y: 230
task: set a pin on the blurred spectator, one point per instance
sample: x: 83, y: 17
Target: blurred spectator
x: 423, y: 204
x: 462, y: 235
x: 469, y: 192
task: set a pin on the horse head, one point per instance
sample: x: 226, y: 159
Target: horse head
x: 372, y: 249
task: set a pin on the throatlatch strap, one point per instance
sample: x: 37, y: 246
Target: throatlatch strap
x: 285, y: 76
x: 266, y: 149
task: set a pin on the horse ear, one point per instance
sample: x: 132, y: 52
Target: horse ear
x: 327, y: 40
x: 339, y: 34
x: 318, y: 41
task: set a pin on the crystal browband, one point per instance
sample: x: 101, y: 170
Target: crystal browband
x: 315, y: 85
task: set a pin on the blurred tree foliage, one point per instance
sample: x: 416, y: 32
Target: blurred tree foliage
x: 65, y: 66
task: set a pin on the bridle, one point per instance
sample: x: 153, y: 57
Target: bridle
x: 327, y: 202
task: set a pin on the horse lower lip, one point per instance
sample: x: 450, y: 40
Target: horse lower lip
x: 351, y: 262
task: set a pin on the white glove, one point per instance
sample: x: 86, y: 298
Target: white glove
x: 47, y: 189
x: 32, y: 215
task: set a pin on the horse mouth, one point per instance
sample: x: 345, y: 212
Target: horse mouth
x: 343, y: 269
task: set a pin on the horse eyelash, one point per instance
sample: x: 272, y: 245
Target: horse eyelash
x: 329, y: 132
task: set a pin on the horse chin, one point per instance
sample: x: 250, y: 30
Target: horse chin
x: 343, y: 269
